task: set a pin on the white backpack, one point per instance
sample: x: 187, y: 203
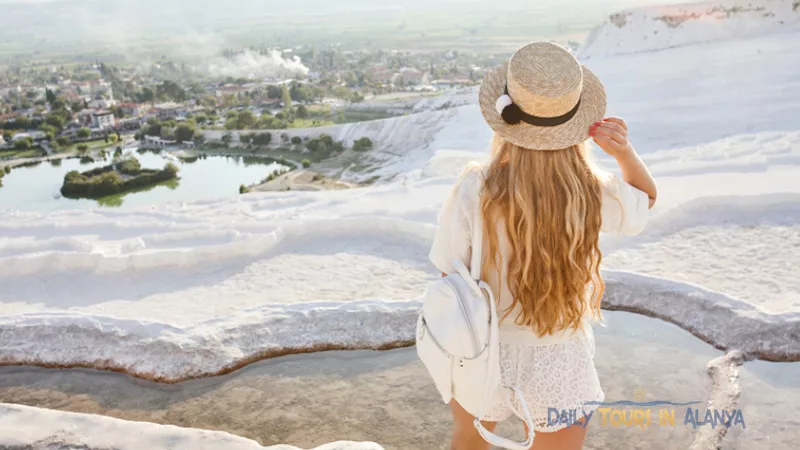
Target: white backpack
x: 458, y: 341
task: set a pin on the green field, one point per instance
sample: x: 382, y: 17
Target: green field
x: 93, y: 145
x: 309, y: 123
x: 29, y: 153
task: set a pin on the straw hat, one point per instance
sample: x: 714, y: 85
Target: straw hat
x: 542, y: 98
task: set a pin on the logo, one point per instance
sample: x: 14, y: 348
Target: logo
x: 644, y: 414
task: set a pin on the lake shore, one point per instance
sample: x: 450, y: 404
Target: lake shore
x: 302, y: 180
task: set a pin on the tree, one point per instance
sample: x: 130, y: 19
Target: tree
x: 169, y: 90
x: 200, y: 118
x: 262, y: 138
x: 153, y: 127
x: 50, y: 95
x: 62, y: 141
x: 302, y: 112
x: 49, y: 130
x: 270, y: 123
x: 300, y: 92
x: 184, y: 132
x: 296, y: 140
x: 229, y: 101
x: 84, y: 132
x: 171, y: 169
x: 350, y: 79
x: 363, y: 144
x: 130, y: 166
x: 167, y: 133
x: 245, y: 138
x: 20, y: 123
x: 286, y: 98
x: 146, y: 96
x: 22, y: 144
x: 246, y: 119
x: 231, y: 124
x: 55, y: 119
x: 199, y: 139
x: 273, y: 92
x: 227, y: 138
x: 306, y: 163
x: 83, y: 148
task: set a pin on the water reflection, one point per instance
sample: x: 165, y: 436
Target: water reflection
x: 117, y: 200
x: 36, y: 186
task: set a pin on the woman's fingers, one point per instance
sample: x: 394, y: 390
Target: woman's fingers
x: 606, y: 143
x: 617, y: 120
x: 611, y: 133
x: 613, y: 126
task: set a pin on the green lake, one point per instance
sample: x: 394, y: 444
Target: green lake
x: 38, y: 187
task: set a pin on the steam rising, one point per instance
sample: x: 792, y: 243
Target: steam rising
x: 250, y: 64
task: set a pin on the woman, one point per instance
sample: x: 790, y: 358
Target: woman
x: 543, y: 205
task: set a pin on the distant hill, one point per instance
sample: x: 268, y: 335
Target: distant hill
x: 660, y: 27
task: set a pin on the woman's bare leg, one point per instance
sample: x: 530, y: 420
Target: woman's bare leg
x: 567, y: 439
x: 465, y: 436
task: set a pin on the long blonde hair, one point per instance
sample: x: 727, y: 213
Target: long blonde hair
x: 548, y: 203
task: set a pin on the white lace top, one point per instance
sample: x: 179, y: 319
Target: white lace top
x: 624, y: 211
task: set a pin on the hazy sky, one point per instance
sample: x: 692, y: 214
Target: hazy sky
x: 74, y: 27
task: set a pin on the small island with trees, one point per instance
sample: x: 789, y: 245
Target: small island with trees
x: 118, y: 178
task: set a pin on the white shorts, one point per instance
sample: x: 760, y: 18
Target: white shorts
x: 553, y: 379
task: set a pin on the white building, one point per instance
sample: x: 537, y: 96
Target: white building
x: 35, y: 135
x: 165, y: 111
x: 410, y: 77
x: 156, y: 142
x: 132, y: 109
x: 103, y: 119
x: 101, y: 101
x: 448, y: 84
x: 130, y: 124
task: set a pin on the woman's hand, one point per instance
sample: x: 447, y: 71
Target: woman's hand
x: 612, y: 136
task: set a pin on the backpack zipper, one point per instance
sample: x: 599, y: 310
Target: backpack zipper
x: 460, y: 295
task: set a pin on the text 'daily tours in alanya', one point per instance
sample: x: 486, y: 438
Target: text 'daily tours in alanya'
x: 644, y: 414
